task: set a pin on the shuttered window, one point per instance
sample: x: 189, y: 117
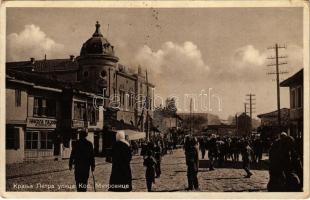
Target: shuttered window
x: 18, y: 98
x: 12, y: 137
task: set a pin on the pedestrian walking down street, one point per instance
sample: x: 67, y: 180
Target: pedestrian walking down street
x: 246, y: 158
x: 221, y: 151
x: 285, y: 166
x: 192, y: 162
x: 202, y: 147
x: 150, y: 164
x: 235, y: 150
x: 82, y: 158
x: 157, y: 154
x: 258, y: 150
x: 212, y: 151
x: 121, y: 177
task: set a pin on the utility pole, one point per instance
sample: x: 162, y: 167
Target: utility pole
x: 277, y: 73
x: 236, y: 120
x: 190, y: 115
x: 147, y: 107
x: 245, y: 116
x: 250, y: 100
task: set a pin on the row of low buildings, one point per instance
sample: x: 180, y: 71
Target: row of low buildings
x: 43, y: 117
x: 48, y: 101
x: 291, y: 118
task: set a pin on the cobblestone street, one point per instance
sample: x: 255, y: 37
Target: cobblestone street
x: 55, y: 176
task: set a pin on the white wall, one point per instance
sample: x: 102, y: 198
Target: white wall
x: 13, y: 112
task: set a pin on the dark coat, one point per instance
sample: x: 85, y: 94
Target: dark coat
x: 157, y: 153
x: 82, y: 157
x: 191, y: 156
x: 149, y: 163
x: 121, y: 178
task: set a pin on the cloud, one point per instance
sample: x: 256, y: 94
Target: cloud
x: 248, y: 56
x: 31, y: 42
x: 173, y: 62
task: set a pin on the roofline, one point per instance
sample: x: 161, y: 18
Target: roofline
x: 47, y: 88
x: 285, y: 83
x: 272, y: 112
x: 35, y: 86
x: 19, y: 81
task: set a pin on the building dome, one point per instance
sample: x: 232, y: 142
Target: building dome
x: 97, y: 45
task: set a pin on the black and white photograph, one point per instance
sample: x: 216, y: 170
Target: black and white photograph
x: 150, y: 97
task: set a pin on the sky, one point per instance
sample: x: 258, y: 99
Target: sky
x: 213, y: 55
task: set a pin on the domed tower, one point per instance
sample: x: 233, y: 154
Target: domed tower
x: 97, y: 63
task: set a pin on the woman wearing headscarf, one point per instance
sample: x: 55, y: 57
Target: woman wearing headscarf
x: 121, y: 178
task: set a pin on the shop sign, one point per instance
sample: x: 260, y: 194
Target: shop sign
x: 33, y: 122
x: 78, y: 124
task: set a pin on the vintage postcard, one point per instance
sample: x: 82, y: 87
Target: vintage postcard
x: 162, y: 99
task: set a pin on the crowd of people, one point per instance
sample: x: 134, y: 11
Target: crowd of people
x: 285, y: 161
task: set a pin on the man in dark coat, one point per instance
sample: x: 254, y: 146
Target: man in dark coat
x: 192, y: 161
x: 276, y: 173
x: 202, y: 147
x: 157, y: 155
x: 150, y: 164
x: 82, y: 157
x: 121, y: 178
x: 285, y: 167
x: 213, y: 151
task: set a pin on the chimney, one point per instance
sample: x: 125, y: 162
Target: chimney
x: 72, y: 58
x: 32, y: 60
x: 139, y: 70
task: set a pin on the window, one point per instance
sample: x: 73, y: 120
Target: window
x: 18, y: 98
x: 293, y: 98
x: 130, y: 100
x: 36, y: 107
x: 299, y: 97
x: 51, y: 107
x: 85, y: 74
x: 46, y: 141
x: 43, y: 107
x: 122, y: 97
x: 32, y: 139
x: 92, y: 118
x: 38, y: 140
x: 12, y: 137
x: 79, y: 110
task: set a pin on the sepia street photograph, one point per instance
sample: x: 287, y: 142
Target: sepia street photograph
x: 151, y: 98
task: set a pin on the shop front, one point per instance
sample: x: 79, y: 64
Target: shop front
x: 39, y: 134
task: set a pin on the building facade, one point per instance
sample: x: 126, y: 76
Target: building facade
x: 96, y: 73
x: 43, y: 116
x: 295, y: 84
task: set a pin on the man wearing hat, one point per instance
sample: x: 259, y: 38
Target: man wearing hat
x: 83, y: 159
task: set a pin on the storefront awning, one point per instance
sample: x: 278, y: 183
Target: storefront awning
x: 134, y: 135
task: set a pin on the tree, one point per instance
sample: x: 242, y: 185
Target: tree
x: 170, y: 107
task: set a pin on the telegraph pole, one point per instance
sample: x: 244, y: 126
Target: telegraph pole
x: 251, y: 107
x: 190, y: 115
x: 277, y: 73
x: 147, y: 107
x: 245, y: 115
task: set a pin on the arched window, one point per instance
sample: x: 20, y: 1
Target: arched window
x: 85, y: 74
